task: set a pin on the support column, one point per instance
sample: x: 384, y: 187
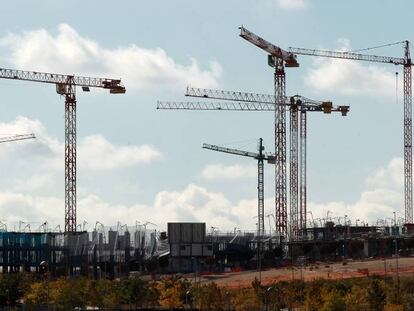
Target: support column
x: 294, y: 221
x: 408, y: 140
x: 260, y: 192
x: 302, y: 174
x: 70, y: 156
x: 280, y: 149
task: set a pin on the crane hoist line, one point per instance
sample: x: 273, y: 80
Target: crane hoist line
x: 66, y: 86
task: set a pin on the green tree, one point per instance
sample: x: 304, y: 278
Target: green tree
x: 172, y: 292
x: 208, y: 297
x: 357, y: 299
x: 275, y: 296
x: 247, y: 300
x: 37, y: 294
x: 376, y: 295
x: 313, y: 299
x: 136, y: 292
x: 333, y: 301
x: 71, y: 294
x: 11, y: 288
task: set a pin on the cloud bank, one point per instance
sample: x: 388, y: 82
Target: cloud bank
x: 70, y: 53
x: 350, y: 77
x: 292, y: 4
x: 215, y: 172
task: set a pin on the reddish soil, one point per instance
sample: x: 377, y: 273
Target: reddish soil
x: 337, y: 270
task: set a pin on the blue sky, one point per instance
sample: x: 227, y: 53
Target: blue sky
x: 136, y: 163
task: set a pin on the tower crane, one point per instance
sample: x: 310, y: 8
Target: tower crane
x: 295, y: 104
x: 278, y: 59
x: 406, y: 63
x: 260, y: 156
x: 242, y: 101
x: 16, y: 137
x: 66, y: 86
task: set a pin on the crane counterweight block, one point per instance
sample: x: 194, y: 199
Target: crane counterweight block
x: 327, y: 107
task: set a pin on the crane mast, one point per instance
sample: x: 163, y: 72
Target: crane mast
x: 408, y: 139
x: 407, y: 123
x: 66, y: 86
x: 294, y: 182
x: 302, y: 172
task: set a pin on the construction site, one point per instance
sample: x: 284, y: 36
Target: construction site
x: 292, y: 236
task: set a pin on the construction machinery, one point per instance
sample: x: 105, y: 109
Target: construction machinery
x: 242, y: 101
x: 278, y: 58
x: 6, y: 139
x: 401, y: 61
x: 294, y: 104
x: 260, y: 157
x: 66, y: 86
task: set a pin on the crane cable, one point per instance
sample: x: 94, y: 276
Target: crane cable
x: 376, y: 47
x: 396, y: 87
x: 240, y: 144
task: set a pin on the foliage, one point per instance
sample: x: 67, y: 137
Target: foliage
x: 371, y: 293
x: 172, y: 292
x: 334, y: 301
x: 357, y: 299
x: 209, y: 297
x: 11, y: 288
x: 246, y: 300
x: 376, y: 294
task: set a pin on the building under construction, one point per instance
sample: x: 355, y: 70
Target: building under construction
x: 188, y: 247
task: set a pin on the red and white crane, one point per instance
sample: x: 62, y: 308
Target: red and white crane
x: 408, y: 140
x: 243, y: 101
x: 278, y: 59
x: 66, y: 86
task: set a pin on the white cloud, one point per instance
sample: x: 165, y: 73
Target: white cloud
x: 95, y: 152
x: 292, y: 4
x: 194, y: 203
x: 39, y: 152
x: 383, y: 196
x: 214, y: 172
x: 34, y: 183
x: 17, y: 207
x: 390, y: 177
x: 350, y: 77
x: 139, y: 67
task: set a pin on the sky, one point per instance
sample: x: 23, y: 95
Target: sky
x: 139, y: 164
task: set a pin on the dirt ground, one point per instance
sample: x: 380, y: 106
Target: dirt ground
x: 337, y: 270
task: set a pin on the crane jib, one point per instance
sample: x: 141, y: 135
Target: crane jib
x: 348, y: 55
x: 114, y: 85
